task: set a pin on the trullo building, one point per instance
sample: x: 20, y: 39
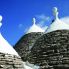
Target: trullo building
x: 24, y: 45
x: 51, y: 50
x: 9, y: 58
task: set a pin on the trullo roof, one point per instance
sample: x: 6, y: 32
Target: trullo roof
x: 57, y: 24
x: 35, y: 28
x: 5, y: 47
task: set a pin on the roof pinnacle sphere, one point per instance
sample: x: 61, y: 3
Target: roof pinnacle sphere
x: 55, y: 12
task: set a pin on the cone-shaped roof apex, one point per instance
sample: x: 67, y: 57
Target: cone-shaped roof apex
x: 35, y: 28
x: 57, y: 24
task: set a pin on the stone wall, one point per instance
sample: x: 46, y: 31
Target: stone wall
x: 25, y: 44
x: 8, y: 61
x: 51, y: 51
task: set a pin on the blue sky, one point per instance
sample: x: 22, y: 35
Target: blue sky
x: 18, y: 14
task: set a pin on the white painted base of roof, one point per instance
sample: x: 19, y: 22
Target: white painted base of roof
x: 5, y: 47
x: 57, y: 25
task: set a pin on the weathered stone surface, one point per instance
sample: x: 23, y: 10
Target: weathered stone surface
x: 8, y: 61
x: 25, y: 44
x: 51, y: 51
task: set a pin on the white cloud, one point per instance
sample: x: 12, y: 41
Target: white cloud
x: 65, y: 19
x: 45, y: 28
x: 26, y: 30
x: 43, y: 17
x: 42, y: 20
x: 20, y: 25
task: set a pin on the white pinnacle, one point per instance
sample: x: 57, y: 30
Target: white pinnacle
x: 55, y: 12
x: 35, y: 28
x: 57, y: 24
x: 0, y: 20
x: 5, y: 47
x: 34, y: 21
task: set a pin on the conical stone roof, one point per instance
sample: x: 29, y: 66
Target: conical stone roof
x: 24, y: 45
x: 57, y: 24
x: 35, y: 28
x: 5, y: 47
x: 9, y: 58
x: 51, y: 50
